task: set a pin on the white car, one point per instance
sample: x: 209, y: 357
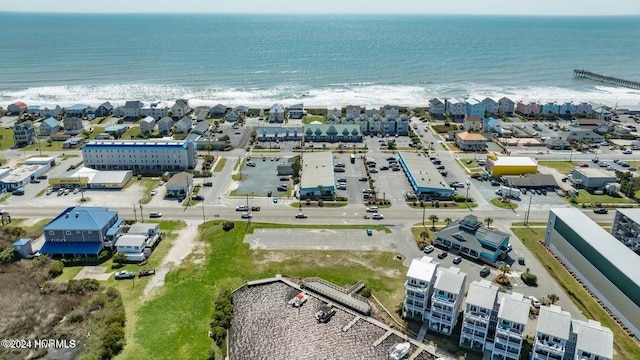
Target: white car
x: 155, y: 214
x: 241, y: 208
x: 372, y: 209
x: 627, y: 152
x: 246, y: 215
x: 428, y: 249
x: 534, y: 302
x: 377, y: 216
x: 76, y: 190
x: 154, y: 192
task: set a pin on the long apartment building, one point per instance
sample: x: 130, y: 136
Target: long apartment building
x: 140, y: 156
x: 448, y: 292
x: 417, y: 288
x: 479, y: 314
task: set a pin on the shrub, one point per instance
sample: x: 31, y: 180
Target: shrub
x: 119, y: 258
x: 366, y: 292
x: 75, y: 316
x: 8, y: 255
x: 529, y: 279
x: 55, y: 268
x: 228, y: 226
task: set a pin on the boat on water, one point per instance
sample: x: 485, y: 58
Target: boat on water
x: 399, y: 351
x: 298, y: 300
x: 324, y: 313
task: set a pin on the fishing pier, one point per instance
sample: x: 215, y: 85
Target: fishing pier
x: 584, y: 74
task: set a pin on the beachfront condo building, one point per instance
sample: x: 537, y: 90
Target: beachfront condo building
x: 418, y: 286
x: 481, y: 308
x: 140, y: 156
x: 513, y: 315
x: 448, y: 292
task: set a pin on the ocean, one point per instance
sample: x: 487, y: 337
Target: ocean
x: 324, y: 60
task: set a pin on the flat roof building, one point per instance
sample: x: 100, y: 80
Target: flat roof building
x: 605, y: 265
x: 140, y: 156
x: 594, y: 341
x: 448, y: 292
x: 317, y: 179
x: 425, y: 179
x: 591, y: 178
x: 552, y: 334
x: 511, y: 165
x: 92, y: 179
x: 513, y: 316
x: 417, y: 288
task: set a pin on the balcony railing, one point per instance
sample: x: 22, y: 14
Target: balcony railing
x: 550, y: 346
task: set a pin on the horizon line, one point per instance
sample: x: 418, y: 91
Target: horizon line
x: 317, y: 14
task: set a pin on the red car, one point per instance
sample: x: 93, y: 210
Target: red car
x: 584, y: 165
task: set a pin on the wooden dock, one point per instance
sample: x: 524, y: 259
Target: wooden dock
x: 383, y: 338
x: 584, y: 74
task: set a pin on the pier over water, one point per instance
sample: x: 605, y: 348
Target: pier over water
x: 584, y: 74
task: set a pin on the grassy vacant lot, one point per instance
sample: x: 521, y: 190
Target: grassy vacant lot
x: 584, y: 197
x: 626, y: 346
x: 220, y: 164
x: 6, y: 138
x: 308, y: 119
x: 562, y: 166
x: 174, y: 324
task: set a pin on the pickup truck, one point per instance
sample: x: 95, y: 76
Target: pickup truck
x: 147, y: 272
x: 124, y: 274
x: 255, y: 208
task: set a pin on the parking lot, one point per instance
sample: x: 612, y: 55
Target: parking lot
x: 263, y: 177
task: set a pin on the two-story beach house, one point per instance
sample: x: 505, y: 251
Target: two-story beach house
x: 49, y: 126
x: 437, y: 108
x: 490, y: 106
x: 470, y: 141
x: 455, y: 109
x: 73, y: 125
x: 506, y: 106
x: 80, y: 231
x: 296, y: 111
x: 156, y: 110
x: 180, y: 108
x: 132, y: 110
x: 24, y: 134
x: 147, y: 125
x: 276, y: 113
x: 474, y: 108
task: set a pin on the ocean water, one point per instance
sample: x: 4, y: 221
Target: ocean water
x: 256, y: 60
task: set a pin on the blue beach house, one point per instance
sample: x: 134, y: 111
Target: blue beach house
x: 472, y: 239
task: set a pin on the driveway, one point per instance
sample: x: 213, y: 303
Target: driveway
x: 319, y: 239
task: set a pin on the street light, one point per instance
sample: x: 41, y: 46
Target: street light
x: 466, y: 198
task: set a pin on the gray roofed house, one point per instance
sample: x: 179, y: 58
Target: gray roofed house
x: 232, y: 116
x: 49, y: 126
x: 164, y: 125
x: 472, y: 239
x: 332, y: 133
x: 296, y: 111
x: 201, y: 113
x: 241, y: 110
x: 448, y: 292
x: 24, y: 134
x: 276, y: 113
x: 132, y: 109
x: 180, y: 184
x: 279, y: 133
x: 184, y: 125
x: 105, y: 109
x: 147, y: 125
x: 483, y: 294
x: 552, y: 333
x: 72, y: 125
x: 218, y: 111
x: 180, y: 108
x: 201, y: 128
x: 481, y: 309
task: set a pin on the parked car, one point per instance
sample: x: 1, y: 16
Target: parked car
x: 275, y: 199
x: 373, y: 170
x: 155, y: 214
x: 584, y: 165
x: 341, y: 180
x: 284, y: 178
x: 363, y: 178
x: 198, y: 198
x: 372, y: 209
x: 377, y: 216
x: 384, y: 168
x: 246, y: 215
x: 41, y: 177
x: 154, y: 192
x: 124, y: 274
x: 35, y: 181
x: 395, y: 168
x: 207, y: 184
x: 301, y: 216
x: 442, y: 255
x: 457, y: 260
x: 600, y: 211
x: 146, y: 272
x: 255, y: 208
x: 49, y: 191
x: 241, y: 208
x: 369, y: 232
x: 428, y: 249
x: 485, y: 272
x: 534, y: 302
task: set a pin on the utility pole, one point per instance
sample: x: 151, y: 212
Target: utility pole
x: 135, y: 217
x: 80, y: 185
x: 424, y: 208
x: 526, y: 215
x: 203, y: 218
x: 141, y: 216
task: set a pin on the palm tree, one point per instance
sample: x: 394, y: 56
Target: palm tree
x: 505, y: 269
x: 553, y: 298
x: 424, y: 235
x: 447, y: 221
x: 489, y: 221
x: 433, y: 219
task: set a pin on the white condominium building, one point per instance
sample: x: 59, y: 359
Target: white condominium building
x: 553, y: 334
x: 512, y: 319
x: 417, y: 288
x: 448, y: 292
x: 481, y: 304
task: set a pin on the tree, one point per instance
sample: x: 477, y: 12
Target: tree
x: 553, y: 298
x: 447, y: 221
x: 424, y: 235
x: 119, y: 258
x: 504, y: 269
x: 489, y: 221
x: 433, y: 218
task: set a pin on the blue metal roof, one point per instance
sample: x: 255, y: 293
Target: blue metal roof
x: 21, y: 242
x: 51, y: 122
x: 81, y: 218
x: 115, y: 228
x: 78, y: 107
x: 88, y: 248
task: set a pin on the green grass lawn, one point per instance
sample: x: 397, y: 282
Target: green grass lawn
x: 497, y: 202
x: 562, y: 166
x: 133, y: 131
x: 174, y: 324
x: 584, y: 197
x: 626, y: 346
x: 220, y: 164
x: 308, y: 119
x: 6, y: 138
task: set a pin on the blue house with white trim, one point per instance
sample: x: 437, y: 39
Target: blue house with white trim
x: 80, y: 231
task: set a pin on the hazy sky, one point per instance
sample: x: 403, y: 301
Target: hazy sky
x: 500, y: 7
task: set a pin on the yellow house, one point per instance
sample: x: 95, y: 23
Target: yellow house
x: 511, y: 165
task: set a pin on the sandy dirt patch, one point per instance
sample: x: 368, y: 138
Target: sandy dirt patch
x: 94, y: 272
x: 185, y: 244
